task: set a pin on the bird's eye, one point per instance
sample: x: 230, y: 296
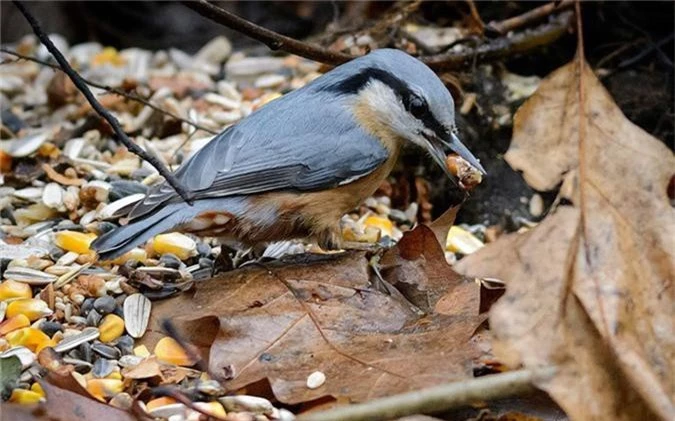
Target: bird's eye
x: 417, y: 107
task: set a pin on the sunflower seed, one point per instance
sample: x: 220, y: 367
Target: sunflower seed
x: 70, y: 342
x: 136, y: 314
x: 29, y: 276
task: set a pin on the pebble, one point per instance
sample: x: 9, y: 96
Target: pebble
x: 536, y: 205
x: 50, y: 328
x: 316, y: 380
x: 87, y: 305
x: 246, y: 403
x: 105, y: 305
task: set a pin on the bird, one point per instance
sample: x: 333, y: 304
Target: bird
x: 294, y: 167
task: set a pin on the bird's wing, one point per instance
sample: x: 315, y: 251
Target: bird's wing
x: 252, y: 158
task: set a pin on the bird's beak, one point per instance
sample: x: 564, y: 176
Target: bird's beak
x: 437, y: 148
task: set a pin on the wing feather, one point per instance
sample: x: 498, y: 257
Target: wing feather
x: 276, y: 148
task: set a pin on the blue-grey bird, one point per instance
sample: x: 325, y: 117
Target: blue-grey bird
x: 294, y: 167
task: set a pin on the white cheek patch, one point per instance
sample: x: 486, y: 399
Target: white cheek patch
x: 387, y: 107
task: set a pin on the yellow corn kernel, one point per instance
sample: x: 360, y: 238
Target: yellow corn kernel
x: 103, y: 389
x: 176, y: 243
x: 139, y: 255
x: 383, y: 224
x: 14, y: 289
x: 32, y: 308
x: 31, y: 338
x: 111, y: 327
x: 13, y: 323
x: 462, y: 241
x: 24, y: 397
x: 159, y: 402
x: 214, y: 408
x: 77, y: 242
x: 141, y: 351
x: 35, y: 387
x: 169, y: 351
x: 116, y: 375
x: 108, y: 55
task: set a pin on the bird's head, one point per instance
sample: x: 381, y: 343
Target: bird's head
x: 398, y: 95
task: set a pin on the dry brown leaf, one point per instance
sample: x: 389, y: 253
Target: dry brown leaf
x: 63, y: 405
x: 286, y: 321
x: 591, y: 288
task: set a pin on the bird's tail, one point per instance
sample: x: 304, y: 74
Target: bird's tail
x: 120, y: 240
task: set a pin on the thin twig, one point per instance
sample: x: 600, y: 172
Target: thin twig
x: 273, y: 40
x: 129, y: 95
x: 437, y: 399
x: 536, y: 14
x: 502, y: 47
x: 82, y: 87
x: 498, y: 48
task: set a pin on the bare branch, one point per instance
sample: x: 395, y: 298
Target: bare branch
x: 439, y: 398
x: 516, y: 22
x: 129, y: 95
x: 273, y: 40
x: 82, y: 87
x: 492, y: 50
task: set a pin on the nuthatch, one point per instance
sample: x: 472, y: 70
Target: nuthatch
x: 294, y: 167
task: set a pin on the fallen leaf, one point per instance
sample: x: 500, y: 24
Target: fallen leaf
x: 284, y: 321
x: 590, y: 289
x: 10, y: 368
x: 147, y: 368
x: 64, y: 405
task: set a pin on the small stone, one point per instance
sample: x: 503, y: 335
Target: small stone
x: 122, y: 401
x: 203, y: 249
x: 50, y: 328
x: 246, y: 403
x: 87, y: 305
x: 106, y: 351
x: 316, y: 380
x: 536, y: 205
x: 105, y: 305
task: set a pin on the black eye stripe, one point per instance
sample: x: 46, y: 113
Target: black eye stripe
x: 355, y: 83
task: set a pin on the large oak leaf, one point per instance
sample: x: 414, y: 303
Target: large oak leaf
x: 590, y: 289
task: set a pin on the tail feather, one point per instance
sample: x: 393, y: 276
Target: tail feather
x: 120, y: 240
